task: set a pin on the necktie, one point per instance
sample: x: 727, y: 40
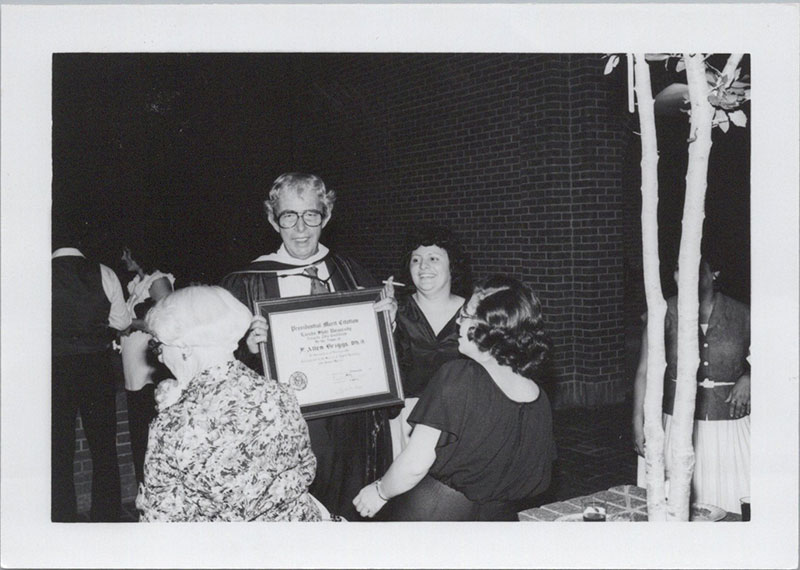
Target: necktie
x: 318, y: 287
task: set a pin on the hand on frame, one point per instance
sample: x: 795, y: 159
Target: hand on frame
x: 257, y: 333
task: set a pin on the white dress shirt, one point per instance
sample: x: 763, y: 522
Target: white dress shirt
x: 291, y: 283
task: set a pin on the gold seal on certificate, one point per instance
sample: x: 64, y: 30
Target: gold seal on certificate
x: 298, y: 381
x: 334, y: 351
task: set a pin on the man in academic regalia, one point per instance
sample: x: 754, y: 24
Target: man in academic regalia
x: 351, y: 449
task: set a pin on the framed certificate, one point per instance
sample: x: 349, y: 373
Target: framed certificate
x: 334, y: 351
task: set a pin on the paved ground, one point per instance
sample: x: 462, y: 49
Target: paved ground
x: 595, y: 453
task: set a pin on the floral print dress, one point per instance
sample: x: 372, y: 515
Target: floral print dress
x: 233, y: 447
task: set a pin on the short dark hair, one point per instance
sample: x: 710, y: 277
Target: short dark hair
x: 440, y: 236
x: 510, y: 325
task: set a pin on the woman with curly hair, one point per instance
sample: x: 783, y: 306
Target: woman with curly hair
x: 426, y: 333
x: 483, y: 431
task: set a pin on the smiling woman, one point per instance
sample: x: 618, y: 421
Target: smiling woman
x: 426, y: 335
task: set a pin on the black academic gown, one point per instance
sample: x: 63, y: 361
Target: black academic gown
x: 353, y: 449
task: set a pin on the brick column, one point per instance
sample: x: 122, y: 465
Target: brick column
x: 83, y: 460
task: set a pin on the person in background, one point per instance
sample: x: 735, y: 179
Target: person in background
x: 721, y: 436
x: 87, y: 304
x: 483, y: 430
x: 350, y: 448
x: 437, y: 275
x: 227, y: 444
x: 144, y: 290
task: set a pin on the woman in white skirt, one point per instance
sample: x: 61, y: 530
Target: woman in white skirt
x: 144, y: 290
x: 721, y: 435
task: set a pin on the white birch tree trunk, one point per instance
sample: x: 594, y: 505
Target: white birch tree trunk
x: 729, y: 72
x: 656, y: 306
x: 681, y: 451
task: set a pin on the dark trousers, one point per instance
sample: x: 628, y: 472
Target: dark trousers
x: 141, y: 411
x: 352, y: 450
x: 84, y: 384
x: 432, y: 500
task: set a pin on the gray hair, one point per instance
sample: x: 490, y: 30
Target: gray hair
x: 299, y: 183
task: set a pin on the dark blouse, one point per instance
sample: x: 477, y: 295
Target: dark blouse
x: 420, y: 352
x: 491, y: 448
x: 724, y: 348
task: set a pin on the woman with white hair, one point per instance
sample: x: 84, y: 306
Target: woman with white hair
x: 227, y: 444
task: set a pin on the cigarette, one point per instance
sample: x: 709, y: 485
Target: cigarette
x: 395, y: 283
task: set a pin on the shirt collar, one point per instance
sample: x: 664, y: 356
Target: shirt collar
x: 282, y: 256
x: 67, y: 251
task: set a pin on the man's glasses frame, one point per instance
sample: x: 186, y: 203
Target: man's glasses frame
x: 289, y: 218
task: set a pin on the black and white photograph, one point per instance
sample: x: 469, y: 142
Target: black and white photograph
x: 579, y: 226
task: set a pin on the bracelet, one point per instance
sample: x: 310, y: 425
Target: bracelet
x: 378, y: 489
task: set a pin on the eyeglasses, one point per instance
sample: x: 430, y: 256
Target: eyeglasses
x: 154, y: 347
x: 288, y: 218
x: 463, y: 315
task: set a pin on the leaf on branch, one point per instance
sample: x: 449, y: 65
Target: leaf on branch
x: 729, y: 100
x: 738, y: 118
x: 721, y: 120
x: 680, y: 66
x: 737, y: 92
x: 611, y: 64
x: 712, y: 77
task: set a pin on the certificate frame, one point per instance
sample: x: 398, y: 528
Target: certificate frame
x: 380, y: 356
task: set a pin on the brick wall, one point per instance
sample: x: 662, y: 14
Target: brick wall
x: 83, y: 459
x: 521, y: 154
